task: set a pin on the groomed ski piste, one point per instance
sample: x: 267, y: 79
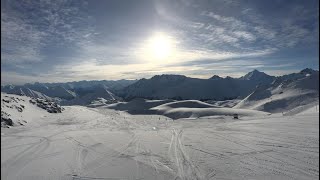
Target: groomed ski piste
x: 185, y: 140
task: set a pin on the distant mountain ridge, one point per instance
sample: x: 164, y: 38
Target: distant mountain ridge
x: 99, y: 92
x: 181, y: 87
x: 166, y: 86
x: 81, y: 92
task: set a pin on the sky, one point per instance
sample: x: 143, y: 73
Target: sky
x: 73, y: 40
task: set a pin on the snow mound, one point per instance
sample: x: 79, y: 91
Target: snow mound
x: 138, y: 105
x: 50, y: 106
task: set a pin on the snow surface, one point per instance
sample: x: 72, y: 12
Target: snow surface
x: 102, y: 143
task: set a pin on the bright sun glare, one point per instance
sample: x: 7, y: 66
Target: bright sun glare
x: 161, y: 46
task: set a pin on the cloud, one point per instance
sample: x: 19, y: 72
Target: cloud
x: 20, y: 42
x: 28, y: 27
x: 245, y: 35
x: 230, y: 21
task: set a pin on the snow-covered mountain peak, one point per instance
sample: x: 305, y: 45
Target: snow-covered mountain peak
x: 308, y: 71
x: 255, y: 75
x: 258, y: 76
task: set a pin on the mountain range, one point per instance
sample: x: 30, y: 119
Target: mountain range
x: 176, y: 87
x: 181, y: 87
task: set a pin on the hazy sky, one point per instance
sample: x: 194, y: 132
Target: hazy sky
x: 62, y: 40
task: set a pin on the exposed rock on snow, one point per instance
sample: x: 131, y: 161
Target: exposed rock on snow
x: 18, y: 110
x: 50, y: 106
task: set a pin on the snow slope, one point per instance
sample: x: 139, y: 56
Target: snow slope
x: 99, y: 143
x: 310, y: 110
x: 304, y: 109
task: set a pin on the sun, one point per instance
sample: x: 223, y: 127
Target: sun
x: 160, y: 46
